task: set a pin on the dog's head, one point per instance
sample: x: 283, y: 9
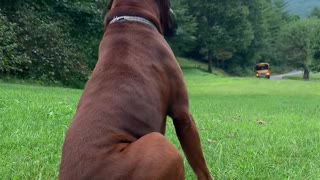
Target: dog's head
x: 162, y: 15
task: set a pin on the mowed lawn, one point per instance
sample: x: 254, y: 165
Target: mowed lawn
x: 250, y: 128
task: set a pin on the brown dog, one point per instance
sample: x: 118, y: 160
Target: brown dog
x: 117, y: 132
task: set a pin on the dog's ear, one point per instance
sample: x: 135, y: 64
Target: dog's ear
x: 168, y: 19
x: 173, y: 25
x: 110, y: 4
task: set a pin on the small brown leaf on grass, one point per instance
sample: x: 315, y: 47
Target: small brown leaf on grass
x: 261, y: 122
x: 210, y: 141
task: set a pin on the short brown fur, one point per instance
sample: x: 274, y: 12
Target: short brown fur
x: 117, y: 131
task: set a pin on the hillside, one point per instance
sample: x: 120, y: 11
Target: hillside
x: 302, y: 7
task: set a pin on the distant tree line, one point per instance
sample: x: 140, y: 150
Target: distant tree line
x: 234, y: 35
x: 56, y: 41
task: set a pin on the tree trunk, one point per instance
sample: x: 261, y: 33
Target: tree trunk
x: 222, y: 64
x: 210, y: 61
x: 5, y: 74
x: 306, y: 74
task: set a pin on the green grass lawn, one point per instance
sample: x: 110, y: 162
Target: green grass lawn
x: 194, y: 67
x: 250, y: 128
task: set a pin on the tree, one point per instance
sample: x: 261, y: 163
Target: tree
x: 11, y: 56
x: 266, y: 19
x: 260, y: 46
x: 54, y: 57
x: 315, y: 13
x: 50, y: 40
x: 223, y: 28
x: 184, y: 41
x: 315, y: 47
x: 277, y: 17
x: 299, y: 44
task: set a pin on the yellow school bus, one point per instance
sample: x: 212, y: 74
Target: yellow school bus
x: 263, y: 70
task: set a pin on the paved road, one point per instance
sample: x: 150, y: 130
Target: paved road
x: 279, y: 77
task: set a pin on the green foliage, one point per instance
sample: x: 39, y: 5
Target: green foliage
x: 53, y: 55
x: 265, y: 20
x: 223, y: 25
x: 241, y: 32
x: 315, y: 47
x: 11, y: 57
x: 277, y: 18
x: 261, y: 47
x: 300, y: 44
x: 315, y: 13
x: 184, y: 42
x: 51, y: 41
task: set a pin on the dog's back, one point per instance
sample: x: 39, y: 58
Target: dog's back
x: 117, y: 132
x: 126, y: 98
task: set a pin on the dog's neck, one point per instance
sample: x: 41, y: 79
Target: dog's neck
x: 133, y: 18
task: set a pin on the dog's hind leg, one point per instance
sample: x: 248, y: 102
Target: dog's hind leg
x: 153, y: 157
